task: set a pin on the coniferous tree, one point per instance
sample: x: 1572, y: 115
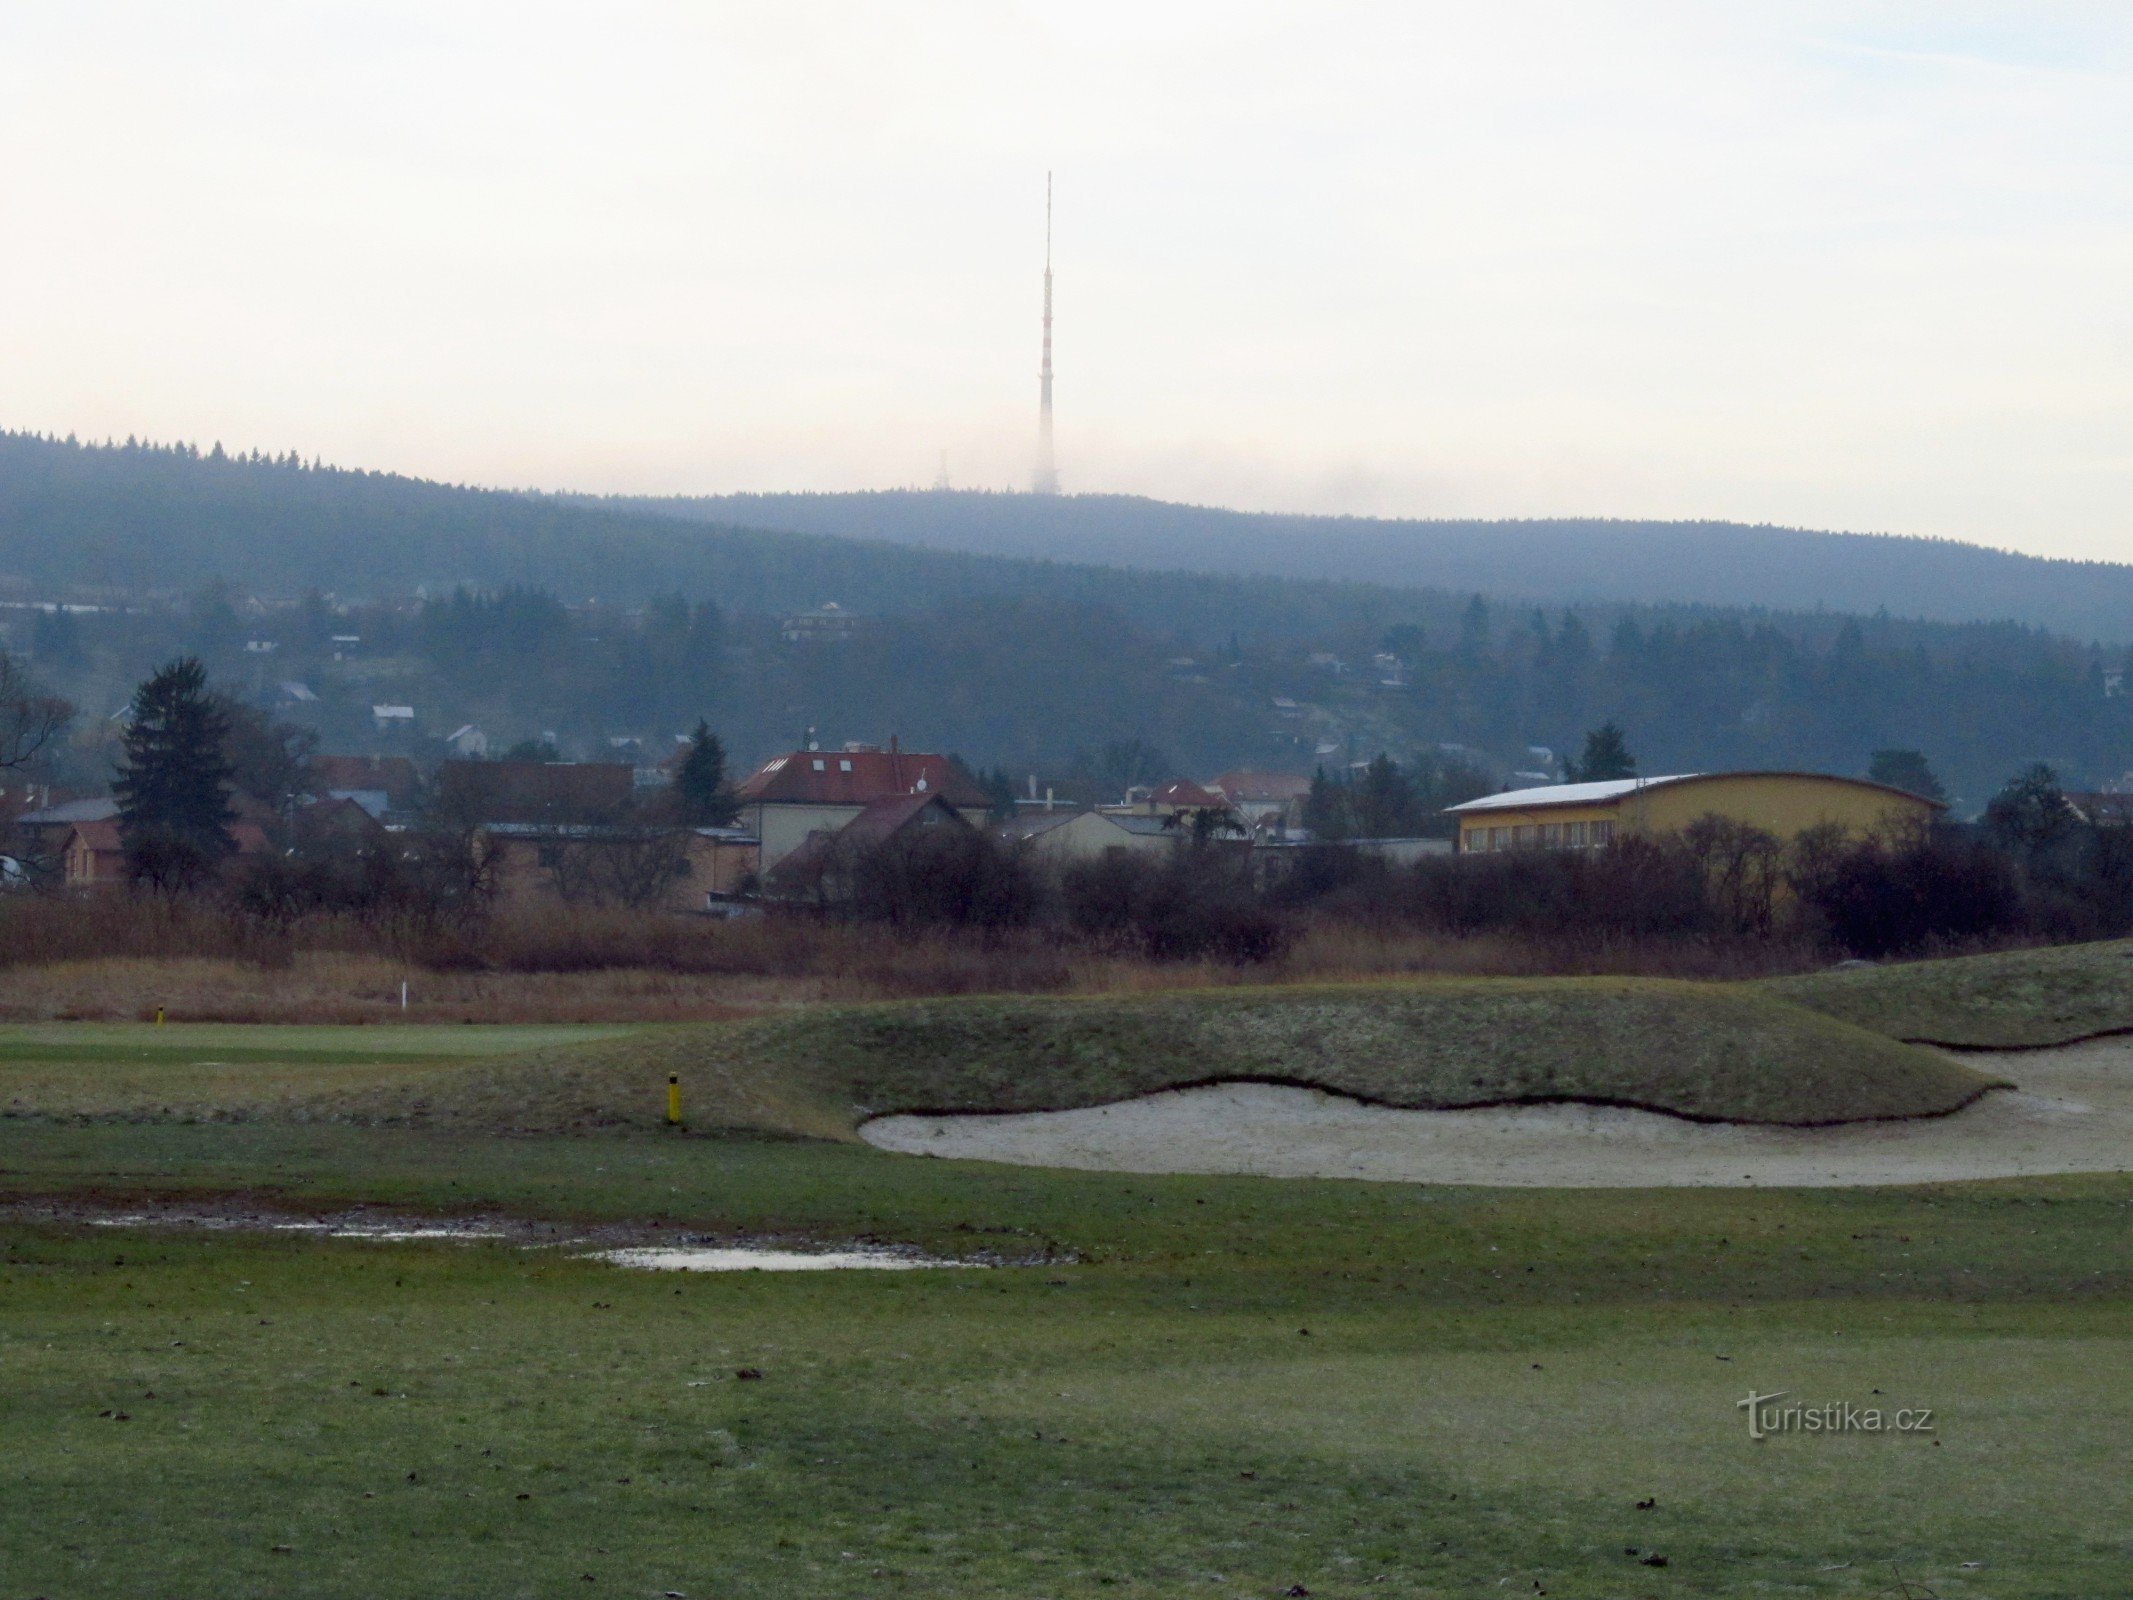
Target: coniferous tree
x: 700, y: 793
x: 174, y: 784
x: 1383, y: 801
x: 1906, y: 770
x: 1606, y: 756
x: 1326, y: 812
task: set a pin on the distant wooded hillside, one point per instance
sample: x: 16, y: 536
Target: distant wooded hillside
x: 1582, y: 559
x: 530, y: 615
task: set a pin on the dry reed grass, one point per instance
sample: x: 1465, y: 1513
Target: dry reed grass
x: 116, y: 957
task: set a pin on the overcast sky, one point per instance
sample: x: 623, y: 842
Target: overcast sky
x: 1844, y: 265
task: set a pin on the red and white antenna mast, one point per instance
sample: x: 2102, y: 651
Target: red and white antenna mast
x: 1046, y: 478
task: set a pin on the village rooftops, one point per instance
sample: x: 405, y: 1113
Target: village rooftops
x: 858, y: 778
x: 1261, y: 788
x: 393, y: 776
x: 97, y: 808
x: 1184, y: 793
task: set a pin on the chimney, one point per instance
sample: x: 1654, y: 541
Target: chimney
x: 896, y: 765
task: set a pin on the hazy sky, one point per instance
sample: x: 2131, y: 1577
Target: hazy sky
x: 1846, y: 265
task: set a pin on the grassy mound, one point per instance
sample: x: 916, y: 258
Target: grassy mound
x: 1695, y: 1050
x: 2012, y: 1000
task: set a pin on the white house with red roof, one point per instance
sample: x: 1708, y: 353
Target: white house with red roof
x: 1258, y: 796
x: 819, y: 791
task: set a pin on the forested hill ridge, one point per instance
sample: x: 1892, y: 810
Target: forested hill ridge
x: 1570, y: 559
x: 92, y: 521
x: 528, y: 615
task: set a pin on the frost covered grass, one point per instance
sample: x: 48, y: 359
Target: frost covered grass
x: 1214, y: 1386
x: 1708, y: 1051
x: 2009, y: 1000
x: 1698, y: 1050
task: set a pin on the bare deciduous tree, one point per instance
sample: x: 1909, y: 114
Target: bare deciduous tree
x: 618, y: 865
x: 28, y: 720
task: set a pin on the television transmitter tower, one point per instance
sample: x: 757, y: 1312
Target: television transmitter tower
x: 1045, y: 480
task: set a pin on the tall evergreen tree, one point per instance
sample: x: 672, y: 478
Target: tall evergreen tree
x: 1383, y: 801
x: 700, y: 793
x: 174, y: 784
x: 1907, y: 770
x: 1606, y: 756
x: 1326, y: 812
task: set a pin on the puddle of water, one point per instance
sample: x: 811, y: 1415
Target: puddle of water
x: 391, y: 1229
x: 327, y: 1228
x: 681, y: 1258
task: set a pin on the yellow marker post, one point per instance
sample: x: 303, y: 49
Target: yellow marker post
x: 159, y: 1016
x: 674, y: 1099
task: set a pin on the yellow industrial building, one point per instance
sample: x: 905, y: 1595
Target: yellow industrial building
x: 1584, y: 816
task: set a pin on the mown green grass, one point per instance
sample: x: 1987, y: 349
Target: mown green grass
x: 221, y: 1070
x: 2012, y: 1000
x: 1237, y: 1386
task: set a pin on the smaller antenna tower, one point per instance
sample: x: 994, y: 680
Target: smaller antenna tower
x: 1046, y: 478
x: 940, y: 481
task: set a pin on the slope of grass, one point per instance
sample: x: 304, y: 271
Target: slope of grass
x: 2011, y: 1000
x: 1237, y: 1388
x: 1715, y: 1052
x: 1696, y: 1050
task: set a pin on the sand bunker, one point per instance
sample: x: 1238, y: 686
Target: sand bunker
x: 2072, y: 1112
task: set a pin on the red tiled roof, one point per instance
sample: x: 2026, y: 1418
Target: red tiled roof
x: 1184, y: 792
x: 533, y: 791
x: 1276, y: 788
x: 884, y: 819
x: 880, y: 822
x: 99, y: 836
x: 858, y: 778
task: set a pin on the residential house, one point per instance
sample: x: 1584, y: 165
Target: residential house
x: 1268, y: 801
x: 43, y: 832
x: 691, y: 869
x: 94, y: 857
x: 467, y: 743
x: 814, y: 870
x: 381, y: 785
x: 829, y: 623
x: 2102, y: 808
x: 1167, y: 799
x: 814, y: 791
x: 1062, y: 838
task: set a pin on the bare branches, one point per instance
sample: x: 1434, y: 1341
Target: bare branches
x: 28, y: 720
